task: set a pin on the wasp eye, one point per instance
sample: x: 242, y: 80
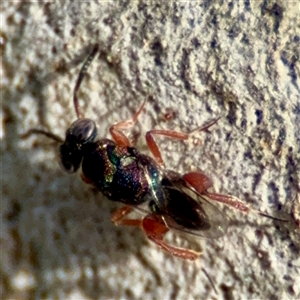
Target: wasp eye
x: 82, y: 131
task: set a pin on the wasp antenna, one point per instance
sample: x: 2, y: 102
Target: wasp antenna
x: 42, y: 132
x: 81, y: 75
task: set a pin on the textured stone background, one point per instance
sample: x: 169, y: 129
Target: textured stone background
x: 237, y: 60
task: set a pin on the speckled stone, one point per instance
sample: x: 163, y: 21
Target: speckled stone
x: 197, y: 59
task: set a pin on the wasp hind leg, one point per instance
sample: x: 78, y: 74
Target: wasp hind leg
x: 200, y: 183
x: 155, y: 229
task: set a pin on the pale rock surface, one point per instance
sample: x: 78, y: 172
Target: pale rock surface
x: 199, y: 59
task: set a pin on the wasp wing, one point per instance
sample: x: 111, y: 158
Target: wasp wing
x: 182, y: 208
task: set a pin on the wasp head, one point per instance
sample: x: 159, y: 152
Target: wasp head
x: 80, y: 133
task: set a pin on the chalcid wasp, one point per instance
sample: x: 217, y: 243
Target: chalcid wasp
x: 123, y: 174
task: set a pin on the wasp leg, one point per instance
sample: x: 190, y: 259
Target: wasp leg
x: 117, y: 217
x: 155, y: 229
x: 200, y: 182
x: 118, y: 135
x: 229, y: 200
x: 152, y: 145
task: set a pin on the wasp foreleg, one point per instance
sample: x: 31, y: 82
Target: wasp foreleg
x: 116, y: 129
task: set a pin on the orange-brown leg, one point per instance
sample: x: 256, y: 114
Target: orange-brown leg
x: 229, y: 200
x: 116, y: 129
x: 237, y: 204
x: 168, y: 133
x: 200, y: 182
x: 171, y: 134
x: 121, y: 213
x: 155, y: 229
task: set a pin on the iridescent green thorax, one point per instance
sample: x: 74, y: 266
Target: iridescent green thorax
x: 121, y: 173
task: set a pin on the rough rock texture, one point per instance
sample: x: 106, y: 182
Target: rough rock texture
x: 196, y: 61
